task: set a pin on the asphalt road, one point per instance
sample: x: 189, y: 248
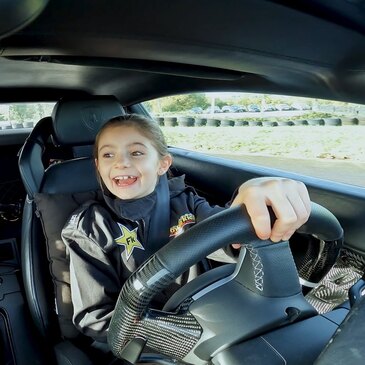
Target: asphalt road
x: 343, y: 171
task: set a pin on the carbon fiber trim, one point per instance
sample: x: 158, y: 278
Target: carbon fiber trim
x: 333, y: 289
x: 354, y: 260
x: 172, y: 334
x: 318, y: 259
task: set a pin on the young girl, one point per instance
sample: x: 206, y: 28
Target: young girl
x: 108, y: 241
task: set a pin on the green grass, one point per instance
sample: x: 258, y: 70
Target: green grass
x: 322, y: 142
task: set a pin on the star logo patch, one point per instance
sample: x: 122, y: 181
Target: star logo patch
x: 128, y: 239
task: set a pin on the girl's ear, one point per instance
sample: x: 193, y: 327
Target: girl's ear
x: 165, y: 164
x: 96, y: 163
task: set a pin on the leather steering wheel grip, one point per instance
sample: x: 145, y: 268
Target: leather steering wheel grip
x: 318, y: 259
x: 323, y: 224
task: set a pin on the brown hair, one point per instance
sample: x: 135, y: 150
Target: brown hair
x: 145, y: 126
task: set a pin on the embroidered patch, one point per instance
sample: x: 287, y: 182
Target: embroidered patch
x: 185, y: 219
x: 128, y: 239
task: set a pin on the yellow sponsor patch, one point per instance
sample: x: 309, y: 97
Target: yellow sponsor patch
x: 128, y: 239
x: 185, y: 219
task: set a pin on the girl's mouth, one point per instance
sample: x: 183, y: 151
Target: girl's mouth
x: 124, y: 180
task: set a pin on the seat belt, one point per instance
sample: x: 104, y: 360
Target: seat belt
x: 159, y: 233
x: 159, y: 227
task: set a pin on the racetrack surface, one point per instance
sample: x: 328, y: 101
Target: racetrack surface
x: 347, y: 172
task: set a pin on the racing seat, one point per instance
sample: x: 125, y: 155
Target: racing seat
x: 54, y: 190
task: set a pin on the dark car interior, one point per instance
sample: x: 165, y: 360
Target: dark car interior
x: 96, y: 60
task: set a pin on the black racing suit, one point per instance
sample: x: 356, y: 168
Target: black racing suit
x: 107, y: 242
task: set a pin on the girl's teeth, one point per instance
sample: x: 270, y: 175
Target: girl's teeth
x: 123, y: 177
x: 125, y: 180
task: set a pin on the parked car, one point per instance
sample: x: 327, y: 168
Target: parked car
x: 196, y: 110
x: 228, y: 109
x: 253, y: 108
x: 216, y: 109
x: 301, y: 106
x: 284, y: 107
x: 299, y: 302
x: 239, y: 108
x: 270, y: 108
x: 233, y: 109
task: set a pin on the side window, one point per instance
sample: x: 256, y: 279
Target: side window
x: 23, y: 115
x: 313, y: 137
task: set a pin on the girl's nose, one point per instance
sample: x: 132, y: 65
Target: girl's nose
x: 123, y: 161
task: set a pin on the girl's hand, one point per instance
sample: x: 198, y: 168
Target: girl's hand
x: 289, y: 200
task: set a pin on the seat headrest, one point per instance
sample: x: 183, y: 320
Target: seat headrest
x: 77, y: 122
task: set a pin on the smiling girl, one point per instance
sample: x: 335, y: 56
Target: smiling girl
x: 108, y: 240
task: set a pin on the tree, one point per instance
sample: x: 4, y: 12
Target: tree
x: 44, y: 109
x: 219, y: 102
x: 22, y: 112
x: 177, y: 103
x: 40, y: 110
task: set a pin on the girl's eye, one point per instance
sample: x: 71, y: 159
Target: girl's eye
x: 137, y: 153
x: 107, y: 155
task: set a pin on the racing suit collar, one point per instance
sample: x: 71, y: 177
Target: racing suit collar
x: 132, y: 209
x: 135, y: 209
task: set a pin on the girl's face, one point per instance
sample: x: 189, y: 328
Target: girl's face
x: 128, y: 163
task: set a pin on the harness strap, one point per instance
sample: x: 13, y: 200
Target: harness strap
x: 159, y: 227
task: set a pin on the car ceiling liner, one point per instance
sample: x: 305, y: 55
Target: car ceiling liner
x: 15, y: 15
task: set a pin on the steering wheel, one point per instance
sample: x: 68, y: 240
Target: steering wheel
x: 262, y: 293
